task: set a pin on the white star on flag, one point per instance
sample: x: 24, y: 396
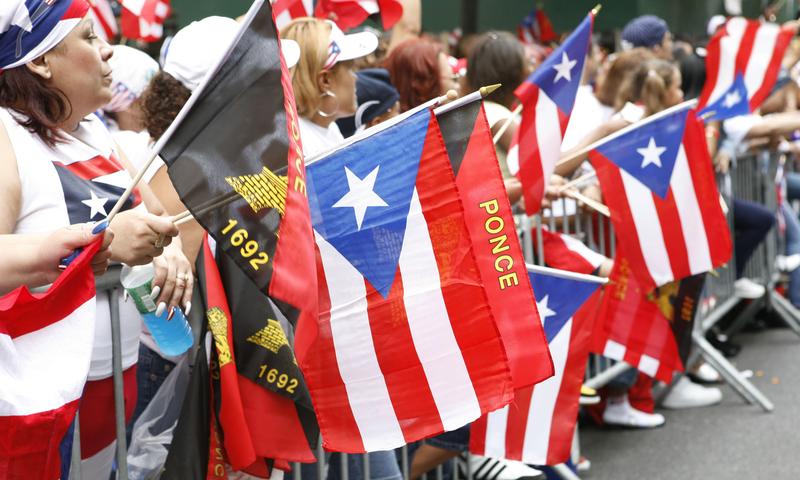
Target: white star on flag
x: 651, y: 154
x: 97, y: 204
x: 361, y: 195
x: 564, y: 68
x: 731, y: 99
x: 544, y: 310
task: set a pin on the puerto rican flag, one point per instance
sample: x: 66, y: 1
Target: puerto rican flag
x: 565, y: 252
x: 658, y: 182
x: 538, y: 427
x: 732, y: 103
x: 536, y: 27
x: 547, y: 97
x: 144, y: 19
x: 103, y: 17
x: 405, y: 346
x: 287, y: 10
x: 45, y: 349
x: 351, y: 13
x: 749, y: 48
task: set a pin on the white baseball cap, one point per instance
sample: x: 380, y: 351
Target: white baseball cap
x: 196, y: 48
x: 348, y: 47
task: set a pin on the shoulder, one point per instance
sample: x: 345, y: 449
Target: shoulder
x: 10, y: 184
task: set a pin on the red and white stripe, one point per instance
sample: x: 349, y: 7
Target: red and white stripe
x: 565, y: 252
x: 748, y: 47
x: 543, y: 131
x: 103, y: 17
x: 45, y: 349
x: 423, y: 360
x: 538, y: 427
x: 672, y: 238
x: 287, y: 10
x: 144, y: 19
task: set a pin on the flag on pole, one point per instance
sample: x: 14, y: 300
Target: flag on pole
x: 750, y: 48
x: 144, y: 19
x: 658, y: 183
x: 538, y: 427
x: 536, y: 27
x: 732, y: 103
x: 45, y: 348
x: 351, y: 13
x: 547, y: 98
x: 287, y: 10
x: 492, y: 230
x: 103, y: 17
x: 565, y: 252
x: 406, y: 346
x: 650, y: 330
x: 231, y: 187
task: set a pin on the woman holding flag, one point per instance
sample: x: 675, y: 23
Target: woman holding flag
x: 61, y: 167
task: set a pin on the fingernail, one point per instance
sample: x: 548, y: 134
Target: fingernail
x: 62, y: 267
x: 125, y: 296
x: 187, y: 308
x: 155, y: 291
x: 171, y: 313
x: 160, y: 309
x: 100, y: 227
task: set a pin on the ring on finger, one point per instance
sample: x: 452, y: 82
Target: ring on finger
x: 159, y: 243
x: 182, y: 276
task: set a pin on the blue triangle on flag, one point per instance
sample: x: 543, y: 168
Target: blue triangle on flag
x: 558, y: 299
x: 733, y: 103
x: 359, y: 197
x: 648, y: 153
x: 559, y: 76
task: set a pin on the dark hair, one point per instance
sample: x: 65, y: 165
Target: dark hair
x: 498, y: 57
x: 42, y: 106
x: 693, y: 75
x: 161, y: 101
x: 414, y: 69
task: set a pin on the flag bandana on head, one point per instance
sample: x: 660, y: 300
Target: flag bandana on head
x: 31, y: 28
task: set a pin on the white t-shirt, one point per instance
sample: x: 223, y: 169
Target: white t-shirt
x: 587, y: 114
x: 736, y: 128
x: 317, y: 139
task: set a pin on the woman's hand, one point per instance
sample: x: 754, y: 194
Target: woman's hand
x: 140, y: 236
x: 173, y: 279
x: 62, y: 242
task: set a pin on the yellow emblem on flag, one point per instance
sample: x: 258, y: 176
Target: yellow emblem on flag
x: 218, y: 324
x: 270, y: 337
x: 262, y: 190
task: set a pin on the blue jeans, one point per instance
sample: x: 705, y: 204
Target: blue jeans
x: 151, y: 372
x: 792, y: 247
x: 382, y: 466
x: 751, y: 223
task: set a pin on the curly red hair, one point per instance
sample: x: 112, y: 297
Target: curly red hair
x: 414, y: 70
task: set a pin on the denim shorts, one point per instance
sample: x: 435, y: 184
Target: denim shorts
x: 455, y: 440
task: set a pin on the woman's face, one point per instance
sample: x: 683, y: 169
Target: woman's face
x: 674, y: 92
x: 79, y: 68
x: 342, y: 80
x: 447, y: 80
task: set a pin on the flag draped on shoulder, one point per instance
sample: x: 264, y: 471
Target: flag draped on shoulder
x: 538, y: 427
x: 406, y: 346
x: 750, y: 48
x: 658, y: 183
x: 45, y: 348
x: 650, y: 330
x: 494, y: 240
x: 249, y: 188
x: 547, y: 98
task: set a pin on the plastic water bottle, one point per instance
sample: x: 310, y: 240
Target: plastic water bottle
x: 173, y: 337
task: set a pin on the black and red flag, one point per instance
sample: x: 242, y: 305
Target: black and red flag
x: 488, y: 216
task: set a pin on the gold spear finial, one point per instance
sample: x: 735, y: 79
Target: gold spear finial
x: 485, y: 91
x: 596, y: 9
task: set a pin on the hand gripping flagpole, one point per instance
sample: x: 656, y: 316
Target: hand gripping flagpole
x: 156, y: 149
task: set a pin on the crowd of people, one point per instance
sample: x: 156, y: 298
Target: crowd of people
x: 78, y: 116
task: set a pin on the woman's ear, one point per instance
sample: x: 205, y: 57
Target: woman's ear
x: 40, y: 67
x: 324, y: 81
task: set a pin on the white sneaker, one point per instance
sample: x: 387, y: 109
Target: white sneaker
x: 686, y: 394
x: 620, y: 413
x: 787, y: 263
x: 486, y: 468
x: 706, y: 373
x: 746, y: 288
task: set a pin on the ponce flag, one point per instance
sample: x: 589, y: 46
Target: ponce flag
x: 287, y: 10
x: 547, y: 97
x: 144, y: 19
x: 351, y: 13
x: 45, y: 348
x: 103, y: 17
x: 658, y: 183
x: 406, y: 346
x: 749, y: 48
x: 649, y: 329
x: 537, y: 428
x: 495, y: 242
